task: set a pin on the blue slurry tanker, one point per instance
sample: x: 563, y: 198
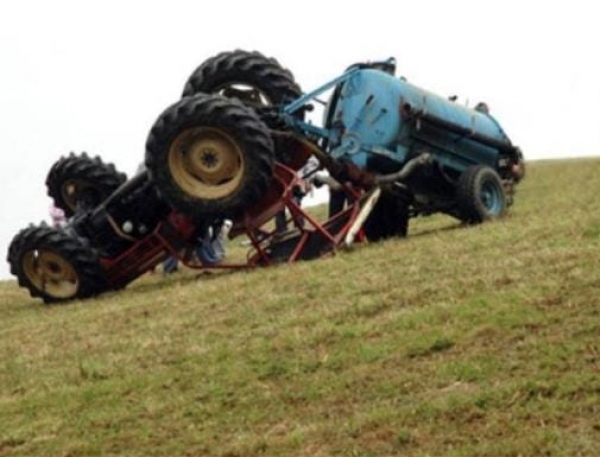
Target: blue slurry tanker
x: 445, y: 156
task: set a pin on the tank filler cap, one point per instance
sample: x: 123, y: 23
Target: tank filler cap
x: 482, y: 107
x: 389, y: 65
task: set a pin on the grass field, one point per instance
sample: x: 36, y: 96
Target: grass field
x: 457, y: 340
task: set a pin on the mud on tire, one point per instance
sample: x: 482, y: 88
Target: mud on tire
x: 78, y: 181
x: 55, y: 265
x: 209, y: 156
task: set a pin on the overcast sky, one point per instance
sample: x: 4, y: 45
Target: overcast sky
x: 94, y: 75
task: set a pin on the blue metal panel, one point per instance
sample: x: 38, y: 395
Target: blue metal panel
x: 381, y: 114
x: 368, y: 108
x: 467, y: 118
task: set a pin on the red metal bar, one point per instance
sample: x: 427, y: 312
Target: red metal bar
x: 176, y: 235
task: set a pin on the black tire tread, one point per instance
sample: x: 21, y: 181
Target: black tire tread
x: 73, y: 248
x: 243, y: 66
x: 103, y: 177
x: 470, y: 208
x: 230, y: 115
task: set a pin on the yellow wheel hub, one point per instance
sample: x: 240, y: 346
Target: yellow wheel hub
x: 51, y: 273
x: 206, y: 163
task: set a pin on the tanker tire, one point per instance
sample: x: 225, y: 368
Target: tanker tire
x: 480, y: 195
x: 219, y: 74
x: 78, y: 181
x: 388, y: 219
x: 209, y: 156
x: 55, y: 265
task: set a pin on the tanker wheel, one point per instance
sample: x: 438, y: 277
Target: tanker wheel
x: 55, y: 265
x: 388, y: 219
x: 248, y: 76
x: 79, y: 181
x: 480, y: 195
x: 210, y: 156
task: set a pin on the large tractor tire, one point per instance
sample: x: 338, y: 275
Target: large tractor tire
x: 209, y: 156
x: 251, y: 77
x: 55, y: 265
x: 79, y: 181
x: 480, y: 195
x: 388, y: 219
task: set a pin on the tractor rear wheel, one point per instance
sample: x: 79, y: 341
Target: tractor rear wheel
x: 257, y: 81
x: 388, y: 219
x: 79, y: 181
x: 210, y: 156
x: 55, y: 265
x: 480, y: 195
x: 248, y: 76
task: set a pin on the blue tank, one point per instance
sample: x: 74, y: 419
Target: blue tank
x: 427, y: 152
x: 379, y: 115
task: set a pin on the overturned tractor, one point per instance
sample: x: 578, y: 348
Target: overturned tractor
x: 231, y: 148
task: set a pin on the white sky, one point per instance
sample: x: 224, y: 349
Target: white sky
x: 94, y: 75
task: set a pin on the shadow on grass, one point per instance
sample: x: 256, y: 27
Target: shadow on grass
x: 430, y: 231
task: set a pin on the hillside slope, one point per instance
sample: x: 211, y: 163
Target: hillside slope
x: 456, y: 340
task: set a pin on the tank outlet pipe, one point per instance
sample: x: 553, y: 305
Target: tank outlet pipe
x: 320, y: 179
x: 407, y: 170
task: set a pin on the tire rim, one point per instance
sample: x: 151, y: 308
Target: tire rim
x: 206, y: 163
x: 491, y: 197
x: 50, y: 273
x: 71, y: 190
x: 244, y: 92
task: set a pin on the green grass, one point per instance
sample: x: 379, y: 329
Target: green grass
x: 457, y: 340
